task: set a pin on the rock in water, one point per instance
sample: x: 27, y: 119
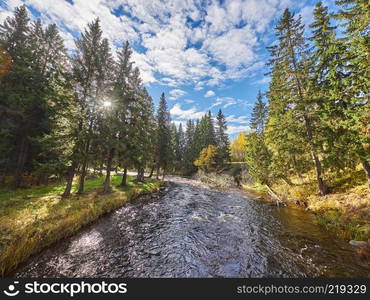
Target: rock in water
x: 359, y: 244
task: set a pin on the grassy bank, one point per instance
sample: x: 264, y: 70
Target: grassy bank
x: 31, y: 219
x: 345, y: 211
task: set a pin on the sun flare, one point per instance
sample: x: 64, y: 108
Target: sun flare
x: 107, y: 104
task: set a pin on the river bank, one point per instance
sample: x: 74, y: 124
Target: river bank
x: 32, y: 219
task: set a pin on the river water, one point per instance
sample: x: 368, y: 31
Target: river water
x: 189, y: 230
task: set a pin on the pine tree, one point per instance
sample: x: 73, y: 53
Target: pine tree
x: 190, y: 151
x: 258, y: 158
x: 122, y: 93
x: 328, y: 76
x: 356, y: 15
x: 176, y: 155
x: 91, y: 65
x: 223, y: 143
x: 291, y: 66
x: 164, y: 136
x: 182, y: 145
x: 259, y: 115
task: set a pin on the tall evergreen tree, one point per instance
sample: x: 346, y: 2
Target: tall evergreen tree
x: 92, y: 65
x: 222, y: 138
x: 356, y: 15
x: 190, y: 151
x: 259, y: 115
x: 290, y: 63
x: 164, y: 136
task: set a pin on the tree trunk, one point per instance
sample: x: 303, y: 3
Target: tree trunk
x: 164, y: 174
x: 124, y: 177
x: 151, y: 172
x: 323, y: 189
x: 81, y: 185
x: 70, y: 176
x: 85, y: 162
x: 157, y: 175
x: 23, y: 151
x: 140, y: 175
x: 41, y: 179
x: 366, y: 166
x: 107, y: 187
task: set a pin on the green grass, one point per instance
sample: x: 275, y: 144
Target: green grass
x: 335, y: 221
x: 31, y: 219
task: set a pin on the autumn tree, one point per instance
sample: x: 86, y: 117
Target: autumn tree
x: 238, y: 147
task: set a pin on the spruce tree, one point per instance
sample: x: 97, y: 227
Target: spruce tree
x: 356, y: 15
x: 259, y: 115
x: 163, y: 136
x: 92, y: 64
x: 223, y: 143
x: 190, y: 151
x: 290, y: 64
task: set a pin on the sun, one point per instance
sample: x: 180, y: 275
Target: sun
x: 107, y: 104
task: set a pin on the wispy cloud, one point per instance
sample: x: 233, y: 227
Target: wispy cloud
x: 239, y: 120
x: 176, y: 93
x: 226, y: 102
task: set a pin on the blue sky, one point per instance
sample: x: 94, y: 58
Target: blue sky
x: 204, y: 55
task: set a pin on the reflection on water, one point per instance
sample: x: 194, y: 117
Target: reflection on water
x: 193, y: 231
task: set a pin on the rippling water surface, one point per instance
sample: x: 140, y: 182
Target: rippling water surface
x: 193, y: 231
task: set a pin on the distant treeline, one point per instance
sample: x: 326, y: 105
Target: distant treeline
x: 64, y: 115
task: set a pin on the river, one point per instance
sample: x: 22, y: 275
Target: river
x: 190, y: 230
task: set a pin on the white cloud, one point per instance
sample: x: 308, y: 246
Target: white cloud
x: 230, y: 102
x: 226, y: 102
x: 183, y: 124
x: 176, y: 93
x: 263, y: 80
x: 189, y: 101
x: 209, y: 94
x: 186, y: 114
x: 228, y: 38
x: 146, y: 69
x: 307, y: 15
x: 239, y: 120
x: 237, y: 129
